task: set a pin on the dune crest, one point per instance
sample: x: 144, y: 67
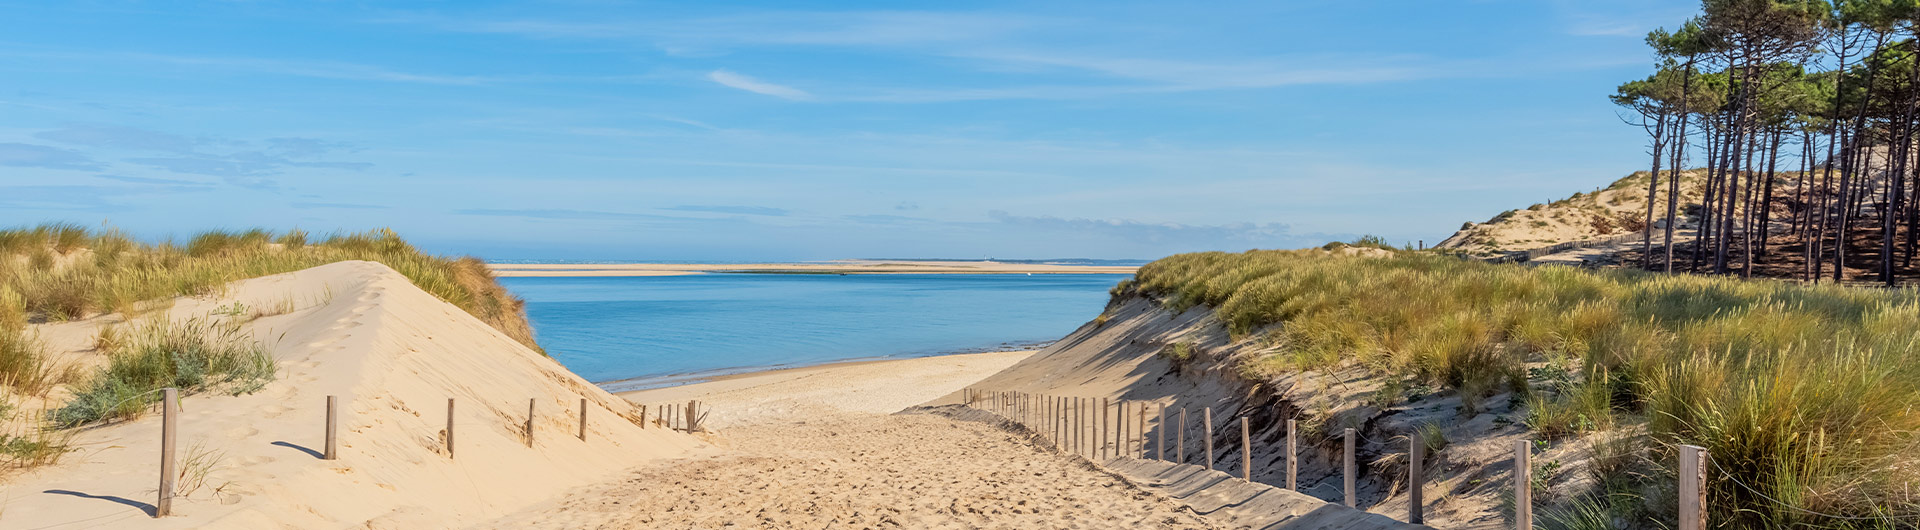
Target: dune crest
x: 394, y: 355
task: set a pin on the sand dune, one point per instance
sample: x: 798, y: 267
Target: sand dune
x: 394, y: 355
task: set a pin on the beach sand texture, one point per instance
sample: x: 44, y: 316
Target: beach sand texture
x: 394, y: 355
x: 821, y: 447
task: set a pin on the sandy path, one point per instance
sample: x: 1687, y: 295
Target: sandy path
x: 859, y: 470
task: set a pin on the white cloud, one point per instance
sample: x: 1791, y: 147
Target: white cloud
x: 757, y: 86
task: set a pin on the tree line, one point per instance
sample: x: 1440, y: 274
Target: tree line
x: 1799, y: 119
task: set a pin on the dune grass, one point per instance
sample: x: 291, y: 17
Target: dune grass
x: 60, y: 272
x: 1809, y: 394
x: 200, y: 355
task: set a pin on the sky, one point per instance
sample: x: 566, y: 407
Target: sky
x: 739, y: 131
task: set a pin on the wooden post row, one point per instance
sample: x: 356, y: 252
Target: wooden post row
x: 333, y: 428
x: 169, y: 402
x: 1350, y: 470
x: 1523, y: 484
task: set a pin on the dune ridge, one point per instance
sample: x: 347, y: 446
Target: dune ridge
x: 393, y: 354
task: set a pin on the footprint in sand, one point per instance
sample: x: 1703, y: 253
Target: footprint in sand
x: 273, y: 411
x: 238, y: 433
x: 255, y: 460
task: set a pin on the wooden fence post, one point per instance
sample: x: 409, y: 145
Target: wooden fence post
x: 333, y: 423
x: 1351, y: 470
x: 693, y: 417
x: 1246, y: 451
x: 449, y: 427
x: 169, y: 401
x: 530, y: 402
x: 1293, y: 456
x: 1103, y: 423
x: 1141, y: 431
x: 333, y: 429
x: 1523, y: 485
x: 1208, y: 424
x: 1416, y: 478
x: 1181, y: 436
x: 583, y: 419
x: 1693, y: 487
x: 1160, y: 436
x: 643, y: 417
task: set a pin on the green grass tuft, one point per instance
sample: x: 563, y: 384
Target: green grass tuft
x: 195, y: 356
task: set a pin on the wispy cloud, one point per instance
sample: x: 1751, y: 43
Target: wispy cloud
x: 741, y: 210
x: 1268, y: 234
x: 43, y: 156
x: 118, y: 137
x: 337, y: 206
x: 561, y: 213
x: 756, y: 86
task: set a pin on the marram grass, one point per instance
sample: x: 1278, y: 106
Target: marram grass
x: 1808, y: 394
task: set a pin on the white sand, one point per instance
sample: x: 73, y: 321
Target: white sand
x: 819, y: 448
x: 394, y: 355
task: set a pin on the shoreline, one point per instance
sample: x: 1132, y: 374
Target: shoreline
x: 513, y: 270
x: 633, y: 385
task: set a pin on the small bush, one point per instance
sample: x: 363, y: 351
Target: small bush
x: 194, y: 356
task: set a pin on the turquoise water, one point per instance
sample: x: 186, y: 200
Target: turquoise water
x: 608, y: 329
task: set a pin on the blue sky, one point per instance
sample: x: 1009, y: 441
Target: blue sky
x: 808, y: 130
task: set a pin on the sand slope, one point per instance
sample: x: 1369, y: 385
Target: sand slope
x: 394, y: 355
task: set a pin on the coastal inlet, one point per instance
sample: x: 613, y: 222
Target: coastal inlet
x: 617, y: 328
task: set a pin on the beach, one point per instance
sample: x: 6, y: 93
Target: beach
x: 510, y: 270
x: 828, y: 447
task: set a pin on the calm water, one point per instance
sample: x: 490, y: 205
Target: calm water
x: 617, y: 328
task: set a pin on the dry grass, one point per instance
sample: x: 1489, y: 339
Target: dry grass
x: 62, y: 272
x: 1810, y: 394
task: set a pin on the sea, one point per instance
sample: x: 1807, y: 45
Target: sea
x: 633, y: 333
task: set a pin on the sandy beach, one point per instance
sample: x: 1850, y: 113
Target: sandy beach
x: 829, y: 267
x: 825, y: 447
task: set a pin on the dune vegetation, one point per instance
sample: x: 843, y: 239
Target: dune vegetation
x: 60, y: 272
x: 1810, y: 395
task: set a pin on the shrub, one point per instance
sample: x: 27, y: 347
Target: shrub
x: 194, y: 356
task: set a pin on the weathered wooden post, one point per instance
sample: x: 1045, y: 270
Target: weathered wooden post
x: 1416, y: 478
x: 1103, y: 422
x: 1208, y: 424
x: 449, y: 427
x: 333, y: 423
x: 1141, y: 431
x: 583, y: 419
x: 1351, y: 470
x: 1293, y: 455
x: 643, y: 417
x: 1160, y: 436
x: 1693, y: 487
x: 1246, y: 451
x: 169, y: 402
x: 1181, y: 434
x: 530, y: 402
x: 1523, y: 486
x: 693, y: 417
